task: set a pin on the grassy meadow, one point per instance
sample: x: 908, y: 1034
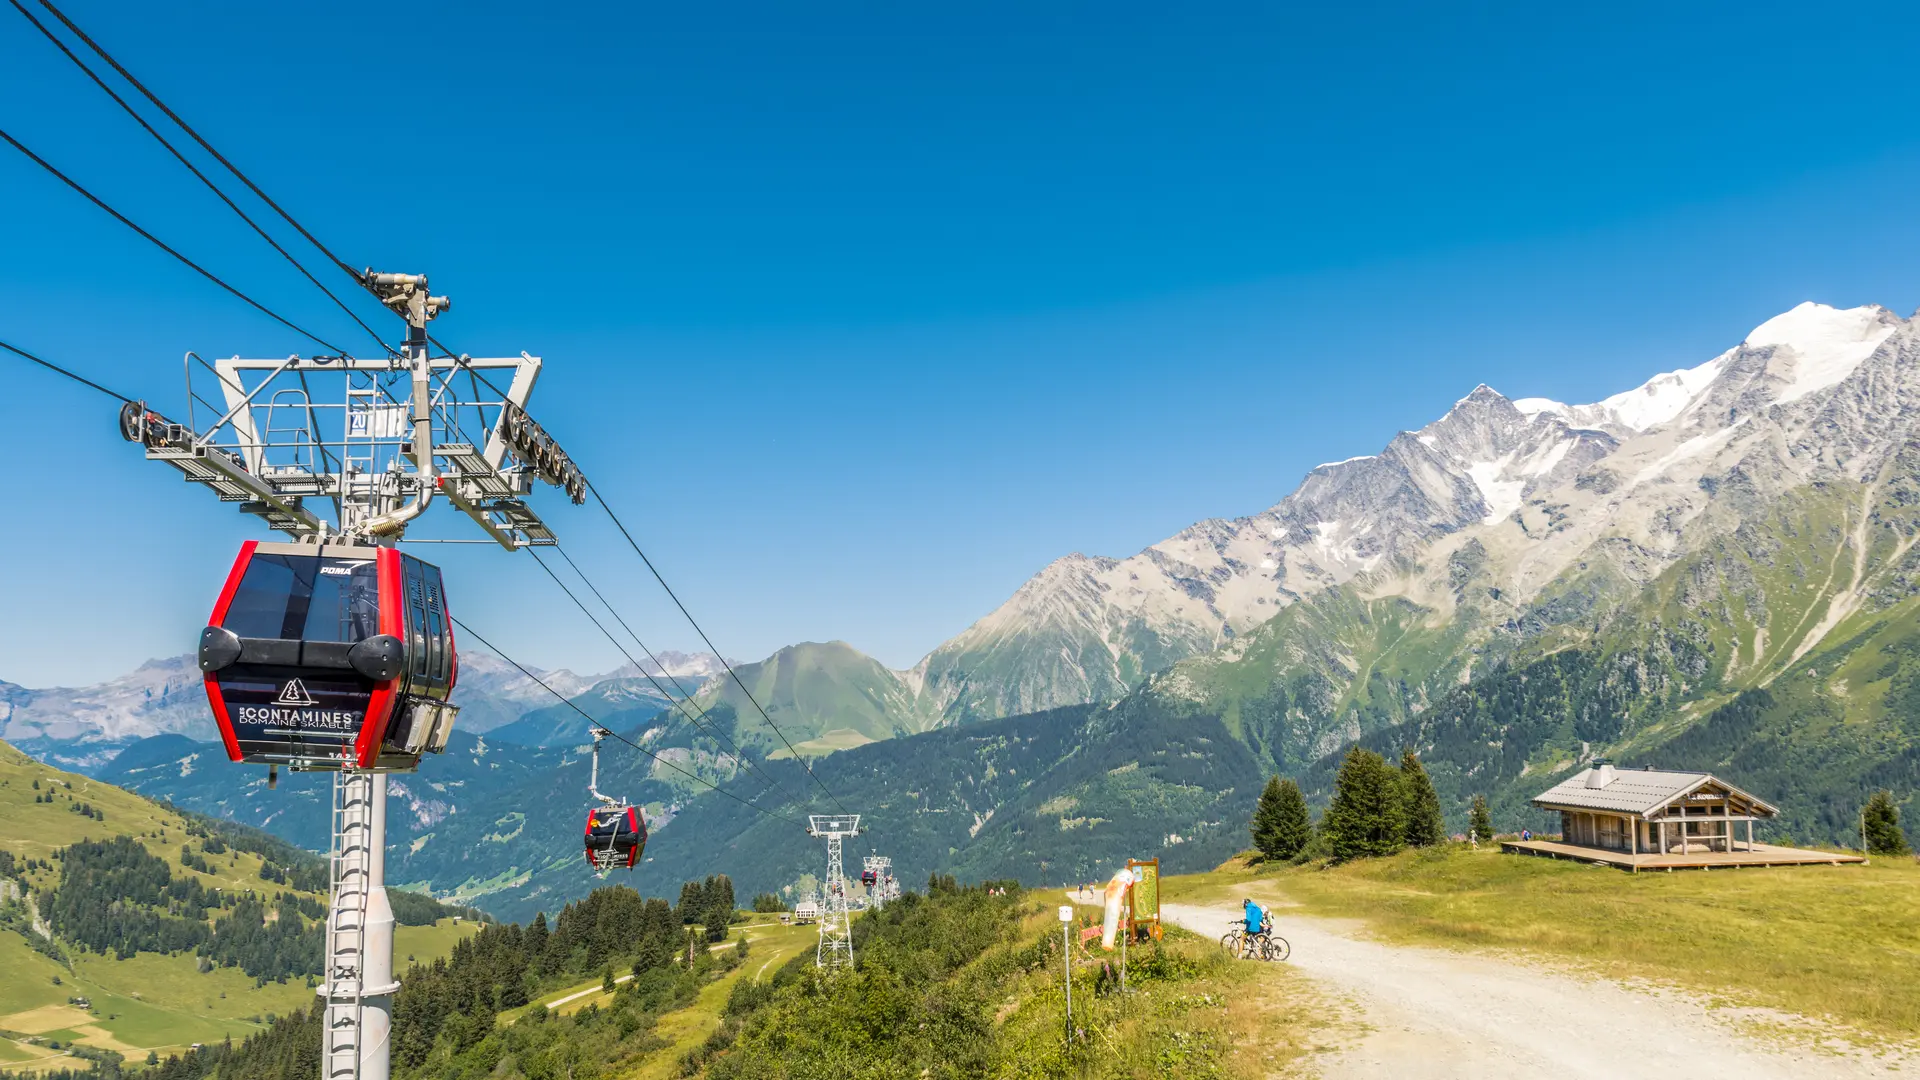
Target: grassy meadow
x: 1192, y: 1012
x: 150, y: 1001
x: 769, y: 946
x: 1823, y: 941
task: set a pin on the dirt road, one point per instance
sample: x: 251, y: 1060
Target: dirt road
x: 1430, y: 1013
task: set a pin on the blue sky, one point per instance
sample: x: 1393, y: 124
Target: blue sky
x: 861, y: 315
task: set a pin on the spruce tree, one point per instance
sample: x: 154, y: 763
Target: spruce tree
x: 1265, y: 825
x: 717, y: 921
x: 1480, y: 820
x: 1292, y: 827
x: 1425, y: 825
x: 1367, y: 815
x: 1882, y: 826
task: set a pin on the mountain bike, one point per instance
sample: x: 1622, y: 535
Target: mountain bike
x: 1265, y: 945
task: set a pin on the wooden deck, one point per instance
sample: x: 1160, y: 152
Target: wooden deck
x: 1761, y: 855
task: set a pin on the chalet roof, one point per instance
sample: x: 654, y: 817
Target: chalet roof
x: 1633, y: 791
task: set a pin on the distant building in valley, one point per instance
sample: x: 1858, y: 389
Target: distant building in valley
x: 1657, y: 819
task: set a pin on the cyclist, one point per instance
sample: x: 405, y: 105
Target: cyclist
x: 1257, y: 918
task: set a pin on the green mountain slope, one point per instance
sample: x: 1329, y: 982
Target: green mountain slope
x: 1785, y: 656
x: 824, y: 697
x: 128, y: 926
x: 149, y: 1000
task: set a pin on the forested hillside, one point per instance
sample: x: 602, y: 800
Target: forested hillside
x: 979, y: 968
x: 128, y: 925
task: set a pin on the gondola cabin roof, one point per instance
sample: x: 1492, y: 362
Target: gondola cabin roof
x: 1639, y: 791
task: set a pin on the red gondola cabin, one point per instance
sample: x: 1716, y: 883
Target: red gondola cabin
x: 616, y: 836
x: 329, y: 656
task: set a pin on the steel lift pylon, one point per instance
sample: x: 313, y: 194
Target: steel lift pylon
x: 835, y: 949
x: 392, y: 441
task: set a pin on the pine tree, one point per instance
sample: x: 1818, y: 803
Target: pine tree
x: 693, y: 902
x: 1265, y: 825
x: 1367, y: 815
x: 1882, y: 826
x: 1480, y: 820
x: 717, y: 921
x: 1281, y: 827
x: 1425, y: 825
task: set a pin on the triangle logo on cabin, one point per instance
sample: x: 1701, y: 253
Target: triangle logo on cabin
x: 294, y: 693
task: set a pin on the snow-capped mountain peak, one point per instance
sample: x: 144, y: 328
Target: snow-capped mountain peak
x: 1826, y: 344
x: 1814, y: 346
x: 1534, y: 480
x: 1647, y: 406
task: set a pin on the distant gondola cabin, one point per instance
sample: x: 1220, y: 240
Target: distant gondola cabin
x: 616, y: 837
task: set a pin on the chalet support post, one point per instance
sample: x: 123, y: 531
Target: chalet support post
x: 1749, y: 834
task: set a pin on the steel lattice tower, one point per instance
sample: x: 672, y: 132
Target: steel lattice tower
x: 835, y: 950
x: 882, y: 867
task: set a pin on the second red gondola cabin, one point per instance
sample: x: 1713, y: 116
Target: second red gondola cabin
x: 616, y: 836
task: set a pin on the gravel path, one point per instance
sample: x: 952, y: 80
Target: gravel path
x: 1430, y: 1013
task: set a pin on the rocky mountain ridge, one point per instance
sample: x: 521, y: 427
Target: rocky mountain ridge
x: 1518, y: 492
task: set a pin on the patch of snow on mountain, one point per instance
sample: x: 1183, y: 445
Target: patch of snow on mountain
x: 1325, y: 539
x: 1693, y: 447
x: 1428, y: 441
x: 1534, y: 406
x: 1343, y: 461
x: 1827, y: 343
x: 1501, y: 496
x: 1544, y: 464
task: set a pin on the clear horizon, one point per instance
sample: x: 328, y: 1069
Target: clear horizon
x: 862, y: 317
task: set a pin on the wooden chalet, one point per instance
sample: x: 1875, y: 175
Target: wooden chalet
x: 1656, y: 819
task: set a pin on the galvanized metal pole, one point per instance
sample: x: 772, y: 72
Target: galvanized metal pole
x: 1066, y: 961
x: 1066, y: 965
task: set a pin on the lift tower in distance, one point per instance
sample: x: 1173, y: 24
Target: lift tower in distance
x: 835, y: 950
x: 882, y: 867
x: 380, y: 440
